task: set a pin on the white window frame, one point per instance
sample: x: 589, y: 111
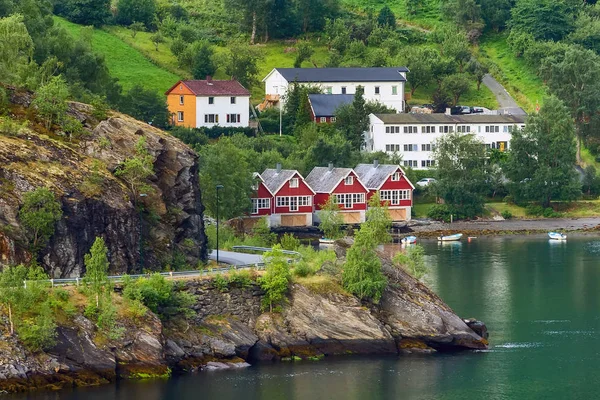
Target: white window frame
x: 323, y: 119
x: 294, y: 183
x: 333, y: 119
x: 180, y: 116
x: 396, y: 176
x: 294, y: 203
x: 394, y: 90
x: 211, y: 100
x: 255, y: 206
x: 207, y: 118
x: 232, y: 100
x: 349, y: 181
x: 181, y: 98
x: 377, y: 90
x: 343, y: 89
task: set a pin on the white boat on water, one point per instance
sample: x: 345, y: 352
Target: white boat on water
x: 450, y: 238
x: 326, y: 241
x: 409, y: 240
x: 557, y: 236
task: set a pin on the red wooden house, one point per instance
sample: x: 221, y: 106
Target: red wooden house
x: 292, y: 201
x: 323, y: 107
x: 393, y: 186
x: 262, y: 198
x: 343, y: 183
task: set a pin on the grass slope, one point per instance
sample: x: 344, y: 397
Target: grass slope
x: 124, y: 62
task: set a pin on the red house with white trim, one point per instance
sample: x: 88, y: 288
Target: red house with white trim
x: 292, y: 201
x: 262, y: 198
x: 343, y: 183
x: 393, y: 186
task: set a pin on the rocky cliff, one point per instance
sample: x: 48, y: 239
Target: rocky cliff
x: 94, y: 202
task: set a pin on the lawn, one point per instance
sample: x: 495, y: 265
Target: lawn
x: 518, y: 78
x: 124, y: 62
x: 482, y: 98
x: 428, y: 17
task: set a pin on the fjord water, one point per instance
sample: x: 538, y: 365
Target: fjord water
x: 540, y: 300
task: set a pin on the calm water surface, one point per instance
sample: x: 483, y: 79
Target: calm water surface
x: 540, y: 301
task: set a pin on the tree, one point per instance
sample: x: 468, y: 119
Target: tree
x: 130, y: 11
x: 591, y: 181
x: 353, y: 120
x: 303, y: 115
x: 157, y: 38
x: 465, y: 13
x: 145, y: 105
x: 240, y: 62
x: 85, y: 12
x: 456, y: 46
x: 51, y: 101
x: 386, y: 18
x: 412, y: 260
x: 136, y: 27
x: 96, y: 268
x: 276, y: 280
x: 544, y: 19
x: 331, y: 219
x: 202, y: 62
x: 136, y: 170
x: 495, y: 13
x: 378, y: 219
x: 11, y: 290
x: 362, y: 274
x: 420, y: 61
x: 456, y: 85
x: 541, y: 162
x: 16, y: 48
x: 39, y: 214
x: 462, y: 173
x: 478, y: 70
x: 303, y: 52
x: 328, y: 147
x: 217, y: 168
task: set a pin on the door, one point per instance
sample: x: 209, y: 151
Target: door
x: 398, y: 215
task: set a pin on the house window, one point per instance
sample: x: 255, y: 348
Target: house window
x: 328, y: 90
x: 426, y: 147
x: 294, y: 182
x: 180, y: 116
x: 395, y: 176
x: 211, y: 100
x: 376, y: 89
x: 293, y: 202
x: 211, y: 118
x: 233, y: 118
x: 333, y: 119
x: 349, y: 180
x: 232, y: 100
x: 260, y: 204
x: 394, y: 90
x: 323, y: 119
x: 181, y: 100
x: 343, y: 89
x: 255, y: 206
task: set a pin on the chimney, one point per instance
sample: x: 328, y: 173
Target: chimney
x: 208, y: 80
x: 330, y: 167
x: 278, y: 167
x: 448, y: 111
x: 375, y: 163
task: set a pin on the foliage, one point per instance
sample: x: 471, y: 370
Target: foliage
x: 591, y: 181
x: 16, y: 48
x: 130, y: 11
x: 136, y: 170
x: 217, y: 168
x: 353, y: 120
x: 412, y: 260
x: 541, y: 163
x: 289, y: 242
x: 439, y: 212
x: 545, y: 19
x: 276, y: 279
x: 240, y: 61
x: 202, y: 61
x: 146, y: 105
x: 303, y: 52
x: 378, y: 219
x: 96, y: 269
x: 51, y: 101
x: 456, y: 85
x: 157, y: 38
x: 386, y: 17
x: 420, y: 61
x: 506, y: 214
x: 331, y: 219
x: 462, y: 173
x: 262, y: 230
x: 39, y: 214
x: 84, y: 12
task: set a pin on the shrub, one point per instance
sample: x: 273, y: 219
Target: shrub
x: 439, y: 212
x: 509, y: 199
x: 550, y: 213
x: 506, y: 214
x: 38, y: 333
x: 534, y: 210
x: 289, y: 242
x: 302, y: 269
x: 412, y: 260
x: 220, y: 283
x: 241, y: 279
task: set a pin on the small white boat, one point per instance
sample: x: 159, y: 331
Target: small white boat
x: 326, y: 241
x: 409, y: 240
x: 557, y: 236
x: 450, y: 238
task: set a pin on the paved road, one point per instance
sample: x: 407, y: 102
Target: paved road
x: 232, y: 258
x: 503, y: 97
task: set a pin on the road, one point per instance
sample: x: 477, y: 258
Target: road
x: 232, y: 258
x: 503, y: 97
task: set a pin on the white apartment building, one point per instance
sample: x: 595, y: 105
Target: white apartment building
x: 385, y: 85
x: 414, y: 135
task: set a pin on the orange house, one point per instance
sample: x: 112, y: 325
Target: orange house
x: 209, y: 103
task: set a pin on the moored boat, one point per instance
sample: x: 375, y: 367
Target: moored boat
x: 557, y: 236
x: 326, y: 241
x: 450, y: 238
x: 409, y: 240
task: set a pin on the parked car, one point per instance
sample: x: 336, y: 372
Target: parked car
x: 425, y: 182
x: 476, y: 110
x: 460, y: 110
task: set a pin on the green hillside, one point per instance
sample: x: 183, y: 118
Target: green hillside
x: 124, y: 62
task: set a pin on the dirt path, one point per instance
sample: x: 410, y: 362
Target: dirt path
x: 512, y: 225
x: 503, y: 97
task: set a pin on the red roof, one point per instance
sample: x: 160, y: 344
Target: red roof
x: 214, y: 88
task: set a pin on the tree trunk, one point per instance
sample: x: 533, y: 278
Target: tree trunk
x: 266, y: 32
x: 253, y: 36
x: 478, y: 85
x: 97, y: 301
x: 10, y: 320
x: 412, y: 90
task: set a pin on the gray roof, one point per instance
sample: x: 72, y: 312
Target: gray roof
x: 343, y: 74
x: 374, y: 176
x: 323, y: 180
x: 450, y: 119
x: 274, y: 179
x: 325, y: 105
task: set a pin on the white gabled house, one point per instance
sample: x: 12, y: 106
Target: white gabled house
x: 414, y: 135
x: 385, y: 85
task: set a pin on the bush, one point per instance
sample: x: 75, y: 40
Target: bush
x: 241, y: 279
x: 302, y: 269
x: 220, y: 283
x: 550, y: 213
x: 289, y: 242
x: 439, y: 212
x: 506, y: 214
x: 509, y: 199
x: 534, y: 210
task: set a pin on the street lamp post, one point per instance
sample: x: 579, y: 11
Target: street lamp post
x: 280, y: 116
x: 219, y: 187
